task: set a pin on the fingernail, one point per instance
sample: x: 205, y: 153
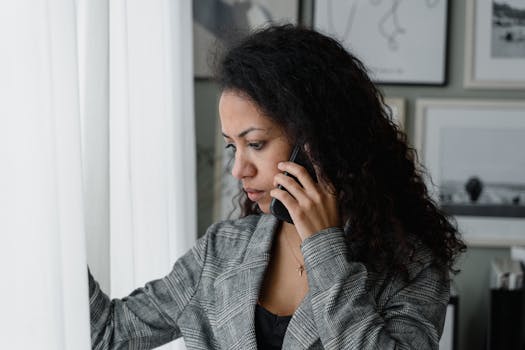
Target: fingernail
x: 280, y: 165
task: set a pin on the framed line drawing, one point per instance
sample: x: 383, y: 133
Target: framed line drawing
x: 473, y: 150
x: 217, y: 22
x: 495, y: 44
x: 400, y: 41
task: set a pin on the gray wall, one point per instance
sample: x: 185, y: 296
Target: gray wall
x: 472, y: 282
x: 206, y: 124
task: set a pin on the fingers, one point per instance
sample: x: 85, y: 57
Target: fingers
x: 312, y: 206
x: 286, y: 198
x: 300, y: 173
x: 303, y: 195
x: 298, y: 209
x: 310, y: 186
x: 292, y: 186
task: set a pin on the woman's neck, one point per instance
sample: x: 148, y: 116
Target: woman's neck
x: 289, y: 230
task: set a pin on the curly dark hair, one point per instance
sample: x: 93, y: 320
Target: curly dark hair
x: 323, y: 97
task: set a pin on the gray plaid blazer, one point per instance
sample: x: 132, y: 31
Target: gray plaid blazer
x: 209, y: 298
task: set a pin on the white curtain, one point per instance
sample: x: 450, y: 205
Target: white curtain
x: 139, y: 138
x: 96, y: 149
x: 43, y: 293
x: 93, y: 57
x: 152, y: 152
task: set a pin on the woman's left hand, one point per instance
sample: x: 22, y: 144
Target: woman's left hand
x: 312, y: 206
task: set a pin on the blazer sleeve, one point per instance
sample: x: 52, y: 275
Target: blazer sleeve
x: 410, y: 315
x: 147, y: 318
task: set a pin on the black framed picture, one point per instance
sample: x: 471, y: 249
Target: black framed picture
x: 400, y: 41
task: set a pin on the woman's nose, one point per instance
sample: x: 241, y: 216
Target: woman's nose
x: 242, y: 167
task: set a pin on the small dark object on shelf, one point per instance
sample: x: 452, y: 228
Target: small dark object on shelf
x: 474, y: 187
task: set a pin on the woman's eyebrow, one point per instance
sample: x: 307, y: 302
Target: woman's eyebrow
x: 243, y: 133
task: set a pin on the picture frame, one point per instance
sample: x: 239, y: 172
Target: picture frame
x: 398, y: 108
x: 390, y: 37
x: 217, y: 23
x: 470, y: 149
x: 449, y: 337
x: 226, y: 187
x: 495, y: 44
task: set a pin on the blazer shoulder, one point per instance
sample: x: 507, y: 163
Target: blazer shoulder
x: 231, y: 237
x: 243, y: 226
x: 423, y: 259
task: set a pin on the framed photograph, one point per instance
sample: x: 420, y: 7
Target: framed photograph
x: 495, y: 44
x: 400, y: 41
x: 397, y: 107
x: 217, y: 22
x: 449, y: 337
x: 473, y: 151
x: 226, y: 187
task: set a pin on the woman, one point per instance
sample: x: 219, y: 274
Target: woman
x: 366, y: 262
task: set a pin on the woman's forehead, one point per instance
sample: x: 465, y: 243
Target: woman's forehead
x: 239, y: 113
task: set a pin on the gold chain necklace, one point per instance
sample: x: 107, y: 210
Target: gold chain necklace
x: 300, y: 268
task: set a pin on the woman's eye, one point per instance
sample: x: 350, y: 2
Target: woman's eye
x: 256, y: 145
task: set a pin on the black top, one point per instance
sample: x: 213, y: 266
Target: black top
x: 269, y: 328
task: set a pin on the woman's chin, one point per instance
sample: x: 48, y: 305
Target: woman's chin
x: 264, y: 207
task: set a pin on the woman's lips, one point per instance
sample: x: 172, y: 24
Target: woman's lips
x: 254, y: 195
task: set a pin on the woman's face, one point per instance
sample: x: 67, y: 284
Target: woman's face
x: 258, y: 144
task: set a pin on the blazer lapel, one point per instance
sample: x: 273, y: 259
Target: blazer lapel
x: 237, y: 290
x: 302, y: 331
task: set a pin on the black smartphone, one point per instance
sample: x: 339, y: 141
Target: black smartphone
x: 298, y: 156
